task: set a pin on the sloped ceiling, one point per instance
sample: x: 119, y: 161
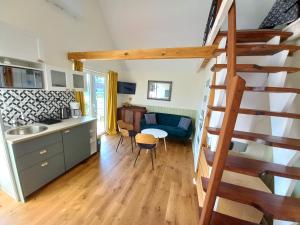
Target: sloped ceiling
x: 72, y: 7
x: 135, y: 24
x: 155, y: 23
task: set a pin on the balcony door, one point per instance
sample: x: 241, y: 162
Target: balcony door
x: 95, y: 98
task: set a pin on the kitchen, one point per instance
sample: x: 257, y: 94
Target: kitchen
x: 44, y: 132
x: 56, y: 173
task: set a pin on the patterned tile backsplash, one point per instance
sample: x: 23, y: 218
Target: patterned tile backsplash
x: 35, y: 105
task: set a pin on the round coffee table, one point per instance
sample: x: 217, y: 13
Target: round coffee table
x: 157, y: 133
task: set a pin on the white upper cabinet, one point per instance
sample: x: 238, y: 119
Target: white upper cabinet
x: 57, y: 78
x: 77, y: 80
x: 61, y: 79
x: 18, y: 44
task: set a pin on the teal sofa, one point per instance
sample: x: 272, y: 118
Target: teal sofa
x: 169, y: 123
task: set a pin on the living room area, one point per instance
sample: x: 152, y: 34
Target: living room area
x: 158, y: 105
x: 155, y: 98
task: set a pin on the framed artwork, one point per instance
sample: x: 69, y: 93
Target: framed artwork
x: 159, y: 90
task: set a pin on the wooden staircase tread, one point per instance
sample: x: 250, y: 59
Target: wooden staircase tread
x: 258, y: 112
x: 255, y: 35
x: 222, y: 219
x: 275, y: 141
x: 260, y: 49
x: 263, y: 89
x: 279, y: 207
x: 254, y: 167
x: 253, y: 68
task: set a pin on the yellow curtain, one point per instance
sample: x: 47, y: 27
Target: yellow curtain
x: 79, y: 95
x: 78, y: 66
x: 112, y: 103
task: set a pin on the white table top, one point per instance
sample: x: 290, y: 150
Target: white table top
x: 157, y: 133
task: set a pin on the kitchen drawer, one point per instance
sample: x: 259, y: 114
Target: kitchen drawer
x: 35, y: 157
x: 40, y: 174
x: 36, y: 144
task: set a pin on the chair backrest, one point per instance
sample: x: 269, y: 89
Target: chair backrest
x: 124, y: 128
x: 148, y: 139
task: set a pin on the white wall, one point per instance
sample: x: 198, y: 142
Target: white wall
x: 59, y: 31
x: 187, y: 84
x: 6, y: 179
x: 250, y: 14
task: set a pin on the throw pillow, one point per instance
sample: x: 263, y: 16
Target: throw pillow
x: 184, y: 123
x: 150, y: 118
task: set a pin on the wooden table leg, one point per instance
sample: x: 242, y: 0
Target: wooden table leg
x: 165, y: 144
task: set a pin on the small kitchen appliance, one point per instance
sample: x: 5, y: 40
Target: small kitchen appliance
x: 64, y: 113
x: 75, y: 109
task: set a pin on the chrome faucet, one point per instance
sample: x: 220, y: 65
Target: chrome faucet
x: 15, y: 122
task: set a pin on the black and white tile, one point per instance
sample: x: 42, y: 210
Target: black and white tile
x: 35, y: 105
x: 282, y: 12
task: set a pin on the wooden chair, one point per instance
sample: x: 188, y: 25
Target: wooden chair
x: 126, y: 130
x: 148, y: 142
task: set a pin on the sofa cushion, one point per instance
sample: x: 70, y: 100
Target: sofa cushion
x: 173, y: 131
x: 150, y: 118
x: 167, y: 119
x: 147, y: 126
x: 184, y: 123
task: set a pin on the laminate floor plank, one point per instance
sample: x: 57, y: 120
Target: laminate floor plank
x: 108, y: 190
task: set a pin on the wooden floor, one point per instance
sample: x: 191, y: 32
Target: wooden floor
x: 107, y: 189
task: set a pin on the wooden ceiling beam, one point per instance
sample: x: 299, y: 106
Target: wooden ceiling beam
x: 157, y: 53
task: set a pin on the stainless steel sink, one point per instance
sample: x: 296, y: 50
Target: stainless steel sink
x: 27, y: 130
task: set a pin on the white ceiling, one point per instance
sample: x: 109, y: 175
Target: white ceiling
x: 72, y: 7
x: 155, y: 23
x: 170, y: 23
x: 135, y: 24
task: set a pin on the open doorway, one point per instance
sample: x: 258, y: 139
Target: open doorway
x: 95, y: 98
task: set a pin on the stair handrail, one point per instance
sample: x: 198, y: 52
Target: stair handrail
x: 234, y: 100
x: 211, y: 18
x: 223, y: 8
x: 222, y: 12
x: 234, y: 93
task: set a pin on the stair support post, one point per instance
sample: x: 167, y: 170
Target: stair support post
x: 236, y: 91
x: 234, y: 94
x: 231, y: 45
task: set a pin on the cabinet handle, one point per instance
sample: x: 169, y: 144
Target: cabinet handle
x: 67, y: 131
x: 43, y: 152
x: 44, y: 164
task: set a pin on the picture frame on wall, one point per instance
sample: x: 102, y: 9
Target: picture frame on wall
x: 159, y: 90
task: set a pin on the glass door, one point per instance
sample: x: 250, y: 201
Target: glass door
x: 95, y: 99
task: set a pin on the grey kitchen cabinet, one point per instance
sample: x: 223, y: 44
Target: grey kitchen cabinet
x: 42, y: 173
x: 37, y: 162
x: 76, y: 141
